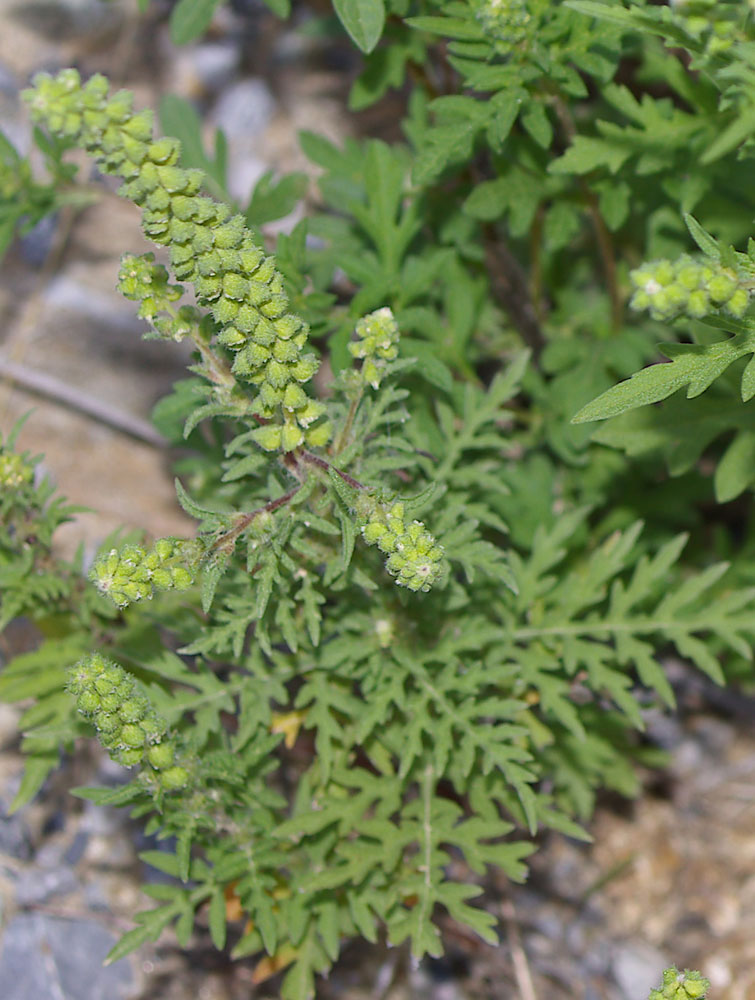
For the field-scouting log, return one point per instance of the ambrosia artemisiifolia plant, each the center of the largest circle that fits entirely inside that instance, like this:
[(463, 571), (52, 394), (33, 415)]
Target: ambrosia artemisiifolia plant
[(422, 615)]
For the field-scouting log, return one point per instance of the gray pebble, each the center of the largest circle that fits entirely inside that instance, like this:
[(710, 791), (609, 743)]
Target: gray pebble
[(14, 836), (67, 293), (101, 821), (76, 848), (244, 110), (637, 968), (59, 959), (37, 243), (39, 885), (8, 84), (205, 68), (63, 19)]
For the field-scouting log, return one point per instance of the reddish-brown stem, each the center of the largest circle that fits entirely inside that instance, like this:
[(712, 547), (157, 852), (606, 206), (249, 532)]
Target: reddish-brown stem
[(245, 520), (310, 459)]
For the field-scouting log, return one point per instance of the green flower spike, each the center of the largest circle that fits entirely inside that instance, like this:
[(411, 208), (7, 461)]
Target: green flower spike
[(687, 287), (504, 21), (377, 344), (14, 472), (681, 986), (134, 573), (127, 725), (209, 247), (141, 280), (414, 557)]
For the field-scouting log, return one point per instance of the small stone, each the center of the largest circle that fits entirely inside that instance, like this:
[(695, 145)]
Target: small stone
[(205, 68), (44, 956), (244, 109), (40, 885), (15, 839), (636, 968)]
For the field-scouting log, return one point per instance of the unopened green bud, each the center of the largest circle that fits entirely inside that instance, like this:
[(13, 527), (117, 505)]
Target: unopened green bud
[(88, 702), (130, 757), (102, 685), (268, 437), (721, 288), (110, 702), (132, 735), (698, 304), (174, 778), (738, 303), (292, 437), (373, 531), (133, 709), (161, 756), (318, 437), (664, 272), (165, 548), (181, 578), (162, 579), (106, 722)]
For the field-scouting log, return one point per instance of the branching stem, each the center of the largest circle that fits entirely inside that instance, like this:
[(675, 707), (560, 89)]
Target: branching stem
[(246, 519), (321, 463)]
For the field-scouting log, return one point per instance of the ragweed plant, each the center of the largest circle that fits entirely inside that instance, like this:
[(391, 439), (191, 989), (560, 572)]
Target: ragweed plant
[(423, 613)]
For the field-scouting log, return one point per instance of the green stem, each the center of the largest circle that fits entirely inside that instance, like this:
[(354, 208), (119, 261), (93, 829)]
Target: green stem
[(342, 437), (218, 371)]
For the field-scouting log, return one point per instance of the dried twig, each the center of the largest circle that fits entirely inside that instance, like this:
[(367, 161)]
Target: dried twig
[(518, 956), (60, 392)]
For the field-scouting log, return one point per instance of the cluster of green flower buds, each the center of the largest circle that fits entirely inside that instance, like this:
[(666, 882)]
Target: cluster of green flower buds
[(687, 287), (377, 344), (209, 247), (127, 725), (141, 280), (134, 573), (716, 23), (681, 986), (506, 22), (14, 471), (414, 557)]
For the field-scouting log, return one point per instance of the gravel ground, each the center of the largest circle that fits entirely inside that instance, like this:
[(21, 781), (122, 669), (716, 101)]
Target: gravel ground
[(668, 879)]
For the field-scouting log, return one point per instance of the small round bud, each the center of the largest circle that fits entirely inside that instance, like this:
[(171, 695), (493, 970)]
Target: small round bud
[(698, 304), (88, 702), (109, 702), (174, 777), (107, 723), (268, 437), (181, 578), (162, 579), (373, 532), (738, 303), (318, 437), (721, 288), (664, 272), (161, 756), (292, 437), (133, 710), (102, 685), (132, 735)]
